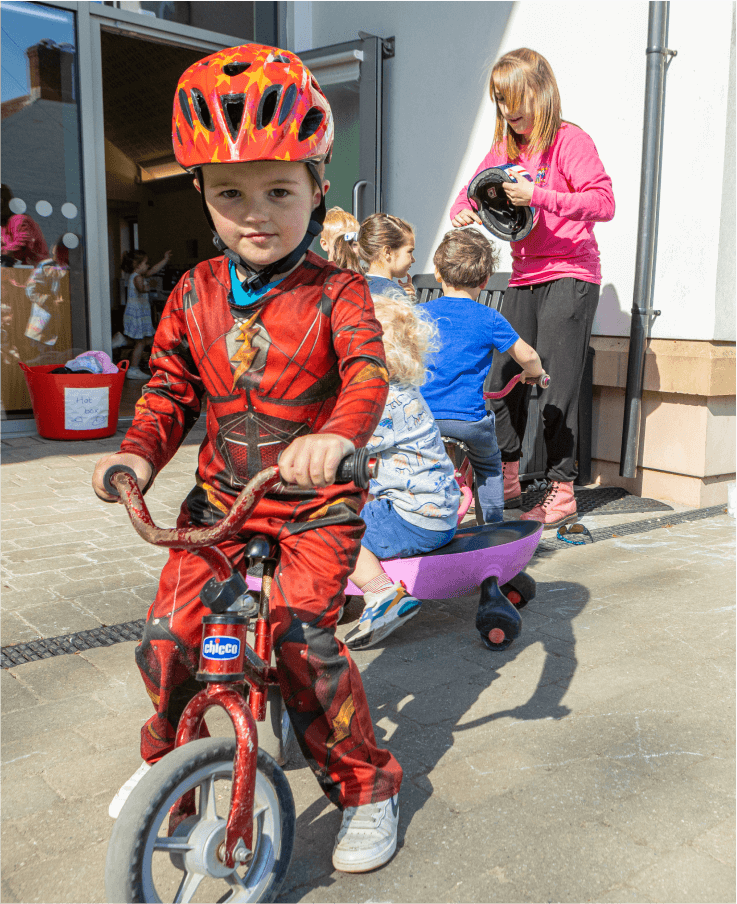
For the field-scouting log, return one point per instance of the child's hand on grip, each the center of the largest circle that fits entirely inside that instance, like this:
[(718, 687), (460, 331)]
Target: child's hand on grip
[(142, 468), (311, 461)]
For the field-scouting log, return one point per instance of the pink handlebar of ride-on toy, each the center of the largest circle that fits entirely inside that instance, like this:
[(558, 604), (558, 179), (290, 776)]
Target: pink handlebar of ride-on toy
[(543, 381)]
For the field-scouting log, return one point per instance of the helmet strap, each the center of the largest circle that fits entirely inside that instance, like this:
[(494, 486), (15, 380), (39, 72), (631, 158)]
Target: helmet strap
[(257, 279)]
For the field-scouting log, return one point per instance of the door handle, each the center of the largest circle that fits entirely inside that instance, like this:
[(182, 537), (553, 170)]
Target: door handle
[(356, 188)]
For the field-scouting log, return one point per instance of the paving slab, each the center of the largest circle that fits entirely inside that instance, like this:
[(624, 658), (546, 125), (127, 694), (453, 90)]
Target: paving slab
[(591, 761)]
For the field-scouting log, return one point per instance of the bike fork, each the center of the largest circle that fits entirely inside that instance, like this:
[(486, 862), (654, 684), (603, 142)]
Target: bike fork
[(226, 660), (238, 842)]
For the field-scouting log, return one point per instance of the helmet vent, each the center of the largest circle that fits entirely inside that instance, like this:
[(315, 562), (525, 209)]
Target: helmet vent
[(290, 95), (233, 107), (280, 59), (179, 136), (202, 110), (233, 69), (184, 104), (310, 124), (268, 105)]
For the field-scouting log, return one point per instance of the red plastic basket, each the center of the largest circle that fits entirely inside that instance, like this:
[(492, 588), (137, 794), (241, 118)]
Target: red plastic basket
[(74, 406)]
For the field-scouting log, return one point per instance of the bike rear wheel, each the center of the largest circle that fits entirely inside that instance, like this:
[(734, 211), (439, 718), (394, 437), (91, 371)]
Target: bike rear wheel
[(145, 865)]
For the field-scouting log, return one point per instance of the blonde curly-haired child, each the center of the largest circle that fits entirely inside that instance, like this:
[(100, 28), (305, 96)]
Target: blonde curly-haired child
[(415, 497)]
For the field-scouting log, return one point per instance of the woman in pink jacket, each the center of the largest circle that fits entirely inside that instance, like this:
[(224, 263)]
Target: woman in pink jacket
[(554, 288)]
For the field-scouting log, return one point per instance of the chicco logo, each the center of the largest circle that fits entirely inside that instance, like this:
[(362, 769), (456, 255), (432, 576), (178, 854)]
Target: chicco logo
[(221, 648)]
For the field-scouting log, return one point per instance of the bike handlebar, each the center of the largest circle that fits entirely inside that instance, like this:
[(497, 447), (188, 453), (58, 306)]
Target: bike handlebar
[(543, 381), (120, 480)]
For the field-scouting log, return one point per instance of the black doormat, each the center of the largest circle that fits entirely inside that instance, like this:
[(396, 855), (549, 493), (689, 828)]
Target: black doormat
[(599, 501)]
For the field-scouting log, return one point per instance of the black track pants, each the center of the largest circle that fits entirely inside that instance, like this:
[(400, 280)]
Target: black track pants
[(555, 318)]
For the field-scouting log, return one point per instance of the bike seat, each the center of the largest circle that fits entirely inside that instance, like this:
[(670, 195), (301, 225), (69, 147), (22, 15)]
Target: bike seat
[(259, 547)]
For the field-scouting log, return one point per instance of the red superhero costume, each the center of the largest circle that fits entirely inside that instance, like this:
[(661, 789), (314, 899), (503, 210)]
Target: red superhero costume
[(306, 358)]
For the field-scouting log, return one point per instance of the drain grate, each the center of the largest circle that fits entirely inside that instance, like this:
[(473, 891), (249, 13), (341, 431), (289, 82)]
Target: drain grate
[(636, 527), (106, 636), (44, 648)]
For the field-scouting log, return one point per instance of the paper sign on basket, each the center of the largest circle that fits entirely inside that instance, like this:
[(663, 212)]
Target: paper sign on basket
[(86, 408)]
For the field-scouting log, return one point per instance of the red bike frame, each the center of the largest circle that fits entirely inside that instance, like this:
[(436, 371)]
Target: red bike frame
[(225, 675)]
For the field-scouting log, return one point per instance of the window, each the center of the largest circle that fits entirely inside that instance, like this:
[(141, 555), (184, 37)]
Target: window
[(43, 241)]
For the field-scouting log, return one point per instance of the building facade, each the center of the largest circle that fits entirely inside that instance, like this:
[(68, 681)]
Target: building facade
[(409, 83)]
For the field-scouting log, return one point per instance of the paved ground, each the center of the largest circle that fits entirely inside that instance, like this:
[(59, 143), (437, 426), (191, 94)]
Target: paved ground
[(592, 761)]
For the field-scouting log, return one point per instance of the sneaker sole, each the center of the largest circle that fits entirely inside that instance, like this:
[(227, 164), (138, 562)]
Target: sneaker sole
[(514, 502), (554, 525), (568, 519), (365, 866), (379, 633)]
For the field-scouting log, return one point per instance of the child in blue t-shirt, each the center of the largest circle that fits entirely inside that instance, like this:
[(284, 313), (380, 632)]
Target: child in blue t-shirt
[(469, 333)]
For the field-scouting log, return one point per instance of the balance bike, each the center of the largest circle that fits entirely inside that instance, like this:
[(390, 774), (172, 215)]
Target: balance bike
[(214, 820)]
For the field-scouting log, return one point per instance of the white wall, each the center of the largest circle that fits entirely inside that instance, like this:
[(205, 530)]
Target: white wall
[(439, 123)]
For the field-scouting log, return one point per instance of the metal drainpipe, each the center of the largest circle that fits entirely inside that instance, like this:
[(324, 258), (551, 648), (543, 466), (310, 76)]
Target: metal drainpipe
[(658, 57)]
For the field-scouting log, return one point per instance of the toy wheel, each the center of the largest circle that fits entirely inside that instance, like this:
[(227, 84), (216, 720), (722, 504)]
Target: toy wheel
[(145, 865), (520, 590), (276, 735), (497, 620), (497, 639)]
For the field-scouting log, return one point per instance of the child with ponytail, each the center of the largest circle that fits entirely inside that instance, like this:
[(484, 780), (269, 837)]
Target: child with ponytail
[(339, 238), (386, 243)]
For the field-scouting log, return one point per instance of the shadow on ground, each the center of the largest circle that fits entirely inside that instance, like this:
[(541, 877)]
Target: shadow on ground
[(438, 695)]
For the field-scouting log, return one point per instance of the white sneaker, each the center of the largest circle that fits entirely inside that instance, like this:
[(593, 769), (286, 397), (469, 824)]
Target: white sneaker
[(119, 340), (384, 613), (367, 837), (116, 804), (135, 373)]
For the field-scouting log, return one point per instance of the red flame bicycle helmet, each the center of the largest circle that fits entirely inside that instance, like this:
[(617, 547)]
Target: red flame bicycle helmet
[(249, 103)]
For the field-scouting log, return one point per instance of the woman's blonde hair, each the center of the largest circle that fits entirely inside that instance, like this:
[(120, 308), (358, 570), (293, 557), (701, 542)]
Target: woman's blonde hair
[(409, 337), (517, 74), (382, 230)]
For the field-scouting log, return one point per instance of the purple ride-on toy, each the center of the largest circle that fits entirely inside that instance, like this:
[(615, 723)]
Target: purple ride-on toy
[(489, 556)]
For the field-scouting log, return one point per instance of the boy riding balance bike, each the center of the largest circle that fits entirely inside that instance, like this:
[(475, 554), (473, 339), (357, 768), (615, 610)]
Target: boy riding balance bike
[(285, 351)]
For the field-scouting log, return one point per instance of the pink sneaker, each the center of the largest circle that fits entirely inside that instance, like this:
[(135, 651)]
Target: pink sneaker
[(557, 508), (512, 489)]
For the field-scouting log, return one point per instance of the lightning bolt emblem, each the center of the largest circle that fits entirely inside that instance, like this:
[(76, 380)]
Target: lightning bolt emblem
[(243, 358)]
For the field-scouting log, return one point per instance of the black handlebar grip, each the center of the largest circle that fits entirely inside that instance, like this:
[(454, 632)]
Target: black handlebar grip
[(111, 472), (354, 468)]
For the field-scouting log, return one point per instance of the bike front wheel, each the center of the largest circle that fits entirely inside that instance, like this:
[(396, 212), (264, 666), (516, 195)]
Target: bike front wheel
[(144, 864)]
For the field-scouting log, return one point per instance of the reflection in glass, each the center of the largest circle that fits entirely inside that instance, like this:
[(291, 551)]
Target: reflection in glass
[(43, 289)]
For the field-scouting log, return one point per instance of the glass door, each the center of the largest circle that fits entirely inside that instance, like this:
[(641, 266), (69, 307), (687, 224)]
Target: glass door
[(351, 75)]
